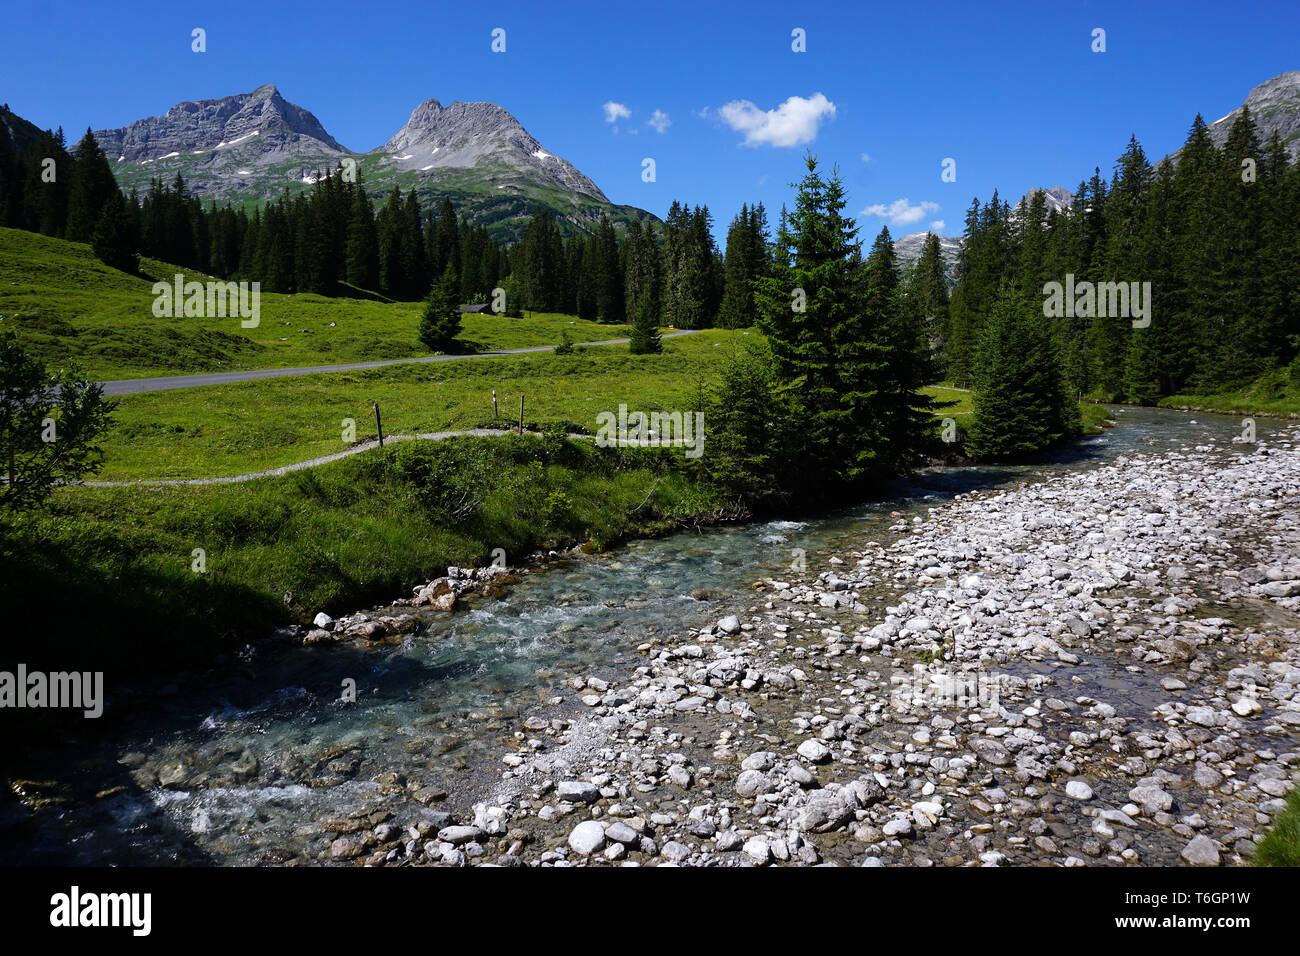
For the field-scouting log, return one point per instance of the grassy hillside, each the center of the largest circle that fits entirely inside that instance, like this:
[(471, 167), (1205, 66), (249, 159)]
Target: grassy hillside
[(67, 305), (1274, 393), (113, 567), (251, 426), (490, 194), (344, 534)]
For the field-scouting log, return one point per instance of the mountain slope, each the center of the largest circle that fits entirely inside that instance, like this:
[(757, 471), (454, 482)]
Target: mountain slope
[(461, 135), (250, 148), (236, 148), (1058, 198), (493, 170), (21, 135), (908, 249), (1274, 105)]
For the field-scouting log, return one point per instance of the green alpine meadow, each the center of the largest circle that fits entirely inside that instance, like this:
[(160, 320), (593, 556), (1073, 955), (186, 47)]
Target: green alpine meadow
[(649, 437)]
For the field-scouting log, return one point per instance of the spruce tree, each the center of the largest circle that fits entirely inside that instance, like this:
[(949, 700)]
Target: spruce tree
[(641, 273), (446, 240), (927, 305), (739, 271), (1120, 255), (440, 321), (964, 304), (1022, 403), (830, 352), (608, 275), (416, 282), (745, 419), (1197, 260), (906, 424), (644, 331), (1250, 341), (1156, 352), (362, 241), (589, 280), (543, 262), (114, 239), (92, 184), (45, 191)]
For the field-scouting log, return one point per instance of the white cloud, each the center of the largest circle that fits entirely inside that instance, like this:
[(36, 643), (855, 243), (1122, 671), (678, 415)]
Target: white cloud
[(900, 212), (615, 112), (794, 122), (938, 225), (866, 157), (659, 120)]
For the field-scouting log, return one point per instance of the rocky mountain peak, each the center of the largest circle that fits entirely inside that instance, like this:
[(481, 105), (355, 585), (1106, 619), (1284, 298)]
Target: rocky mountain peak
[(435, 124), (202, 125), (1057, 197), (909, 248), (439, 138), (1274, 105)]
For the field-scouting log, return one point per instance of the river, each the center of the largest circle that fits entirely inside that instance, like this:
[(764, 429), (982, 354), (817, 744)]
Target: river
[(263, 762)]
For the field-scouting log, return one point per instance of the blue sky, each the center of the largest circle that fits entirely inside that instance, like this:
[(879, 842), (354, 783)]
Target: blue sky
[(1011, 91)]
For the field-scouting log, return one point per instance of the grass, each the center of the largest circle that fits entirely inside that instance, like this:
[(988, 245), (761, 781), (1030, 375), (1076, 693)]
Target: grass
[(1281, 847), (251, 426), (962, 409), (1095, 417), (67, 305), (956, 403), (114, 566), (1274, 393)]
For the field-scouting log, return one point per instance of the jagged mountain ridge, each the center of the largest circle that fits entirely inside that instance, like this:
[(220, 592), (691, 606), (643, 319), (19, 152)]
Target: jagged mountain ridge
[(459, 135), (207, 125), (909, 248), (249, 148), (1057, 198), (1274, 105)]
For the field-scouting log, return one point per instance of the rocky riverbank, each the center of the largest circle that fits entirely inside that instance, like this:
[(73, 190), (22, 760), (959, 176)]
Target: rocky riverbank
[(1100, 669), (1097, 666)]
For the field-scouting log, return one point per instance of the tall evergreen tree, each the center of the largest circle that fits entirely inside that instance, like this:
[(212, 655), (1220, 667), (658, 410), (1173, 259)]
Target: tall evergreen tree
[(644, 332), (927, 305), (829, 350), (743, 264), (641, 273), (362, 240), (608, 276), (92, 184), (1122, 259), (440, 320), (966, 304), (906, 424), (1022, 403), (543, 275), (114, 240)]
